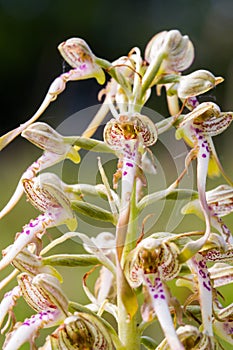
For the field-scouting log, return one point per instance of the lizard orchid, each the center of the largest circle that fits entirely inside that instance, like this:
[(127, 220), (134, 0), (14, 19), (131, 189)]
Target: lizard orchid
[(135, 269), (43, 293), (151, 264), (220, 203), (46, 195), (56, 149), (80, 331), (197, 128), (190, 337)]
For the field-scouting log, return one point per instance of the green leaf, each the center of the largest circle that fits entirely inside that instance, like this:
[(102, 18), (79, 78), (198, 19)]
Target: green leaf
[(71, 260), (148, 342), (93, 211), (171, 194)]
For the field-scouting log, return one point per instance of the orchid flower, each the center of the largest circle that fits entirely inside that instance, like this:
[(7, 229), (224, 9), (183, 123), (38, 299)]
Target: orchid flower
[(46, 195), (80, 57), (220, 203), (25, 261), (80, 331), (198, 267), (203, 283), (221, 275), (55, 150), (197, 128), (43, 294), (128, 135), (152, 263), (190, 337)]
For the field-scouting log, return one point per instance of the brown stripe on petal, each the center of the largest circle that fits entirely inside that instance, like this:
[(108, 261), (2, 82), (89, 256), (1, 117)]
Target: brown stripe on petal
[(214, 125), (39, 197), (35, 297)]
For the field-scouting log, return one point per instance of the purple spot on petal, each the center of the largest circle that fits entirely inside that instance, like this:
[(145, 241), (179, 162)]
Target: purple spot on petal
[(202, 274), (203, 155), (156, 296), (207, 287), (125, 173), (202, 264), (162, 296), (28, 232), (129, 164)]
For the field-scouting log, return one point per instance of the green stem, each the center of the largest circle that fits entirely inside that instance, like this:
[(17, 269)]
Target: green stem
[(151, 73), (127, 326), (127, 329), (131, 236)]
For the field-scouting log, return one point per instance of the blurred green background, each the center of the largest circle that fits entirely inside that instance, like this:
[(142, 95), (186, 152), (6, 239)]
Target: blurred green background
[(30, 32)]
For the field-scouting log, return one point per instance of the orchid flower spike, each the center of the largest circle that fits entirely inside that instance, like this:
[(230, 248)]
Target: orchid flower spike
[(47, 196), (79, 56)]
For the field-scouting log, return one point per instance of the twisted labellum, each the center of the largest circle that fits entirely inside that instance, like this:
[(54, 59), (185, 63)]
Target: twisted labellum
[(151, 263), (198, 127), (48, 198), (198, 267)]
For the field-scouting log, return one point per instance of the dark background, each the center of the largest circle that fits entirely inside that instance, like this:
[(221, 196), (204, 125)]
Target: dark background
[(31, 30)]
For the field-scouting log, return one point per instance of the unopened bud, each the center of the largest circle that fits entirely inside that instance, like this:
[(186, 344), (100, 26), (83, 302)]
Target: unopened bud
[(26, 261), (43, 292), (45, 137), (46, 194), (196, 83), (177, 48)]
